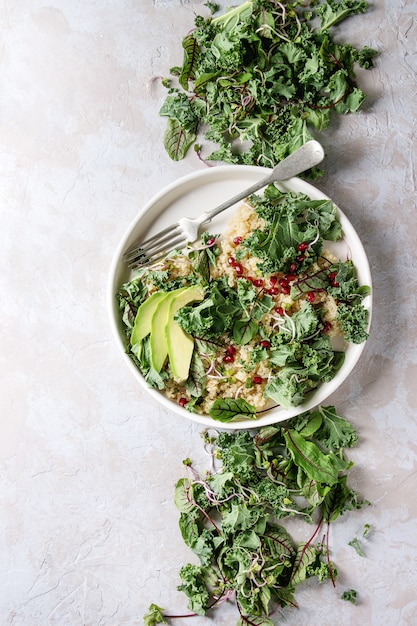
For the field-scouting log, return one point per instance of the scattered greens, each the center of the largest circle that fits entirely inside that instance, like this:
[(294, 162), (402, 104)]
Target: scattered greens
[(259, 79), (235, 518), (350, 596), (356, 543)]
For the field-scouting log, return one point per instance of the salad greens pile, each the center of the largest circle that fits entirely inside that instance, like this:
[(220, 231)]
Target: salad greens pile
[(235, 518), (296, 346), (260, 78)]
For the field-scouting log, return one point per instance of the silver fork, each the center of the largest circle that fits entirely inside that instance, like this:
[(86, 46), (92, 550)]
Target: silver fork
[(187, 230)]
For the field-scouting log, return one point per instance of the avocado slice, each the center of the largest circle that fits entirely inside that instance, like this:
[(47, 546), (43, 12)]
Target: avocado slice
[(142, 325), (155, 317), (179, 344), (157, 342)]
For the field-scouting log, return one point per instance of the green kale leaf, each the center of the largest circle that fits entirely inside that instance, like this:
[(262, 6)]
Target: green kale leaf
[(334, 11), (154, 616), (353, 320)]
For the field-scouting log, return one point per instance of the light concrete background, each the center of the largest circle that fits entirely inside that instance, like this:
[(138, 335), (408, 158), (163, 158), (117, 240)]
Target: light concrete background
[(88, 528)]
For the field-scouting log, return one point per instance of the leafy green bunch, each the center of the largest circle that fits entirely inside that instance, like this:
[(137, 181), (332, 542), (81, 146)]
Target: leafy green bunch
[(233, 518), (260, 78)]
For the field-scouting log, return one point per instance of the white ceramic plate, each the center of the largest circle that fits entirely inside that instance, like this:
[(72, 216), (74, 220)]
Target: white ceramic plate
[(190, 196)]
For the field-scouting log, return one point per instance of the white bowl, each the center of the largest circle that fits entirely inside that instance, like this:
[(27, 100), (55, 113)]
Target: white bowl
[(190, 196)]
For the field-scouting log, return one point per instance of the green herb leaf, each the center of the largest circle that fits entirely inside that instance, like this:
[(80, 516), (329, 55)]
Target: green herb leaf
[(350, 596), (332, 12), (244, 331), (191, 54), (177, 139), (228, 409), (194, 586), (353, 320), (305, 557), (318, 466), (183, 498), (335, 431), (354, 543), (154, 616)]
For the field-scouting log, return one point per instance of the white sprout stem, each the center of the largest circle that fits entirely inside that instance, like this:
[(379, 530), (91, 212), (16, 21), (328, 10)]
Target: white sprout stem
[(205, 246), (238, 391), (316, 238), (290, 321)]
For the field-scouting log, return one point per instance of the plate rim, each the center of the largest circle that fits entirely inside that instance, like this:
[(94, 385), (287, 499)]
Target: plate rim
[(179, 184)]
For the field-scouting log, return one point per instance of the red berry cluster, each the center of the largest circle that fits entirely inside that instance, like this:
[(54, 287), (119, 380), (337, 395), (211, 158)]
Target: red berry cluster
[(332, 279), (229, 357)]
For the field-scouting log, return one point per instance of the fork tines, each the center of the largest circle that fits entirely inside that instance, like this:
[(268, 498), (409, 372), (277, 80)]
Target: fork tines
[(155, 248)]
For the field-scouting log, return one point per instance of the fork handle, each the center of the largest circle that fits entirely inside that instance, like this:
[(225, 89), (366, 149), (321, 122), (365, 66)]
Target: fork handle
[(307, 156)]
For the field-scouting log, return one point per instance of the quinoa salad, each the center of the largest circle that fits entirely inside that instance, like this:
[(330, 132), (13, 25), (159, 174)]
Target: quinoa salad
[(272, 313)]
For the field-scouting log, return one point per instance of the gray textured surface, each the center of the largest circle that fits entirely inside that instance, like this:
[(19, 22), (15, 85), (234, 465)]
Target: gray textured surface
[(88, 529)]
